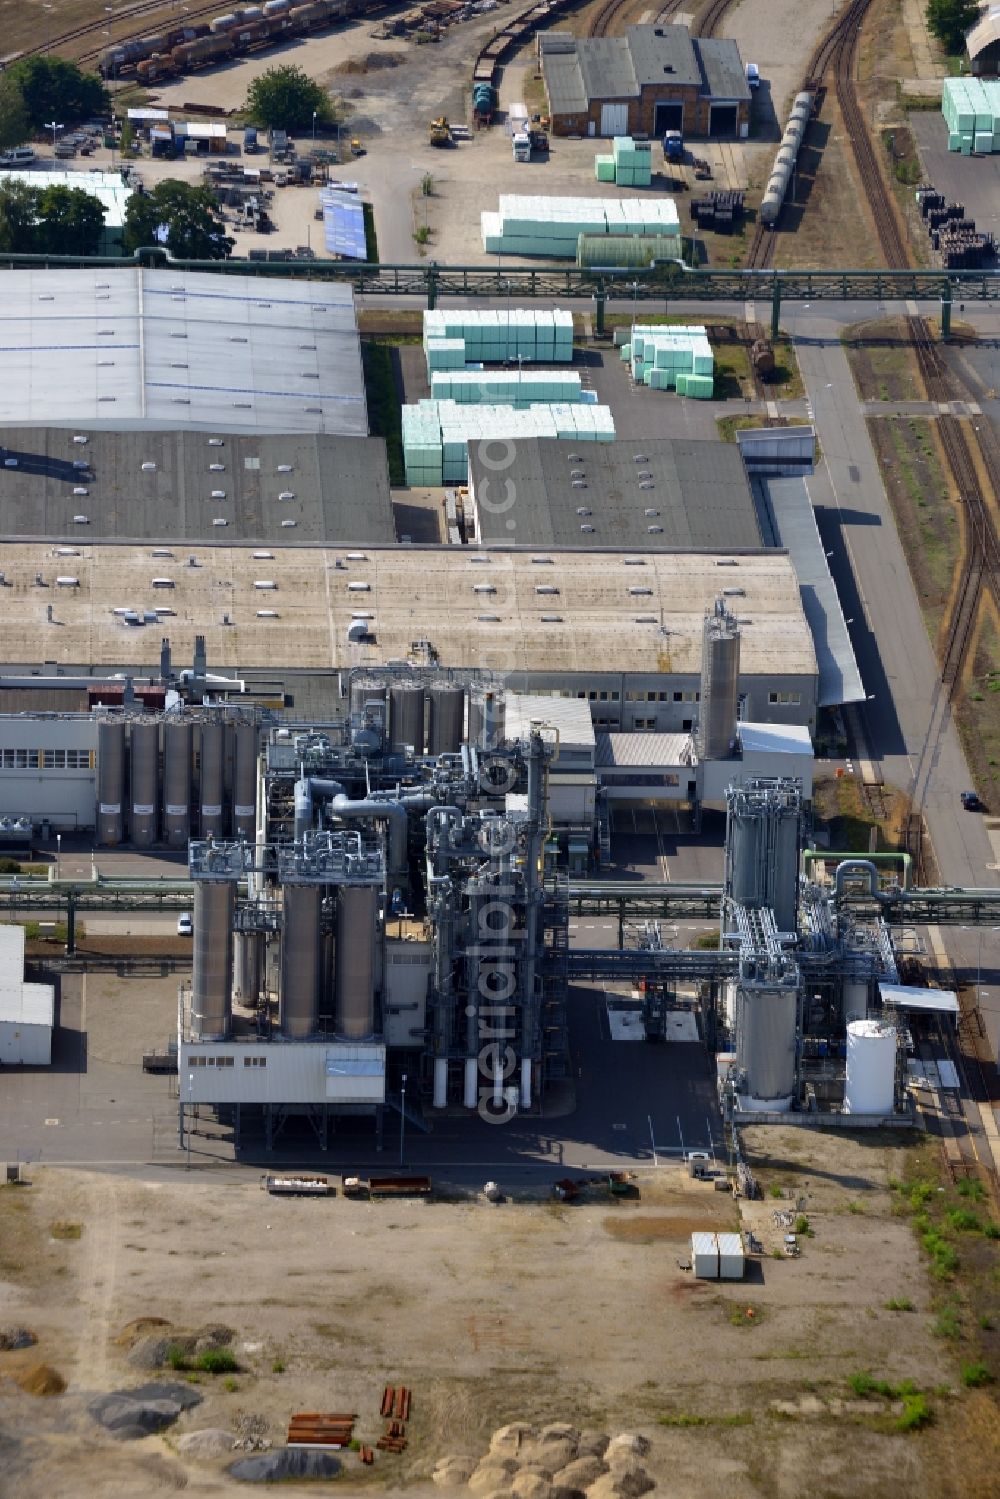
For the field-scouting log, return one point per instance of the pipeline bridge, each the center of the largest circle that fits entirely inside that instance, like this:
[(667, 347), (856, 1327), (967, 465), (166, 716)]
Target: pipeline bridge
[(662, 281), (28, 896)]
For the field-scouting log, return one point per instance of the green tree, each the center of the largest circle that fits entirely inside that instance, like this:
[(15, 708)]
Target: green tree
[(18, 213), (69, 222), (14, 127), (949, 20), (285, 97), (188, 215), (54, 89)]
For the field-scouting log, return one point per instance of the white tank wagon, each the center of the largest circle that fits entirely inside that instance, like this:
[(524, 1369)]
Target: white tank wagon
[(784, 162)]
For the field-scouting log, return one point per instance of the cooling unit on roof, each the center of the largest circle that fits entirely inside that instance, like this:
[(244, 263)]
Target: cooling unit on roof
[(263, 556)]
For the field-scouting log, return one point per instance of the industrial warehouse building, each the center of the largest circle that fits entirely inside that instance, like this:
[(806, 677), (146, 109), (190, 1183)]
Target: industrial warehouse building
[(659, 492), (652, 79), (183, 486), (147, 350)]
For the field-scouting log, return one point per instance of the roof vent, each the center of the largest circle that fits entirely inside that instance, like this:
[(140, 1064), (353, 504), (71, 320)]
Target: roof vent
[(587, 529), (635, 562), (263, 556), (483, 588), (539, 560), (218, 494), (80, 490), (359, 588), (577, 473), (646, 484), (639, 458), (551, 619), (287, 494), (79, 437), (314, 410), (655, 530), (583, 510), (652, 512), (220, 520), (726, 562), (546, 588), (242, 405), (267, 614), (357, 557), (734, 593), (645, 619), (479, 557), (235, 338), (177, 364), (668, 67), (81, 520), (215, 442), (578, 483), (217, 468), (180, 401), (178, 335), (640, 590), (489, 619), (289, 522), (574, 457), (284, 468)]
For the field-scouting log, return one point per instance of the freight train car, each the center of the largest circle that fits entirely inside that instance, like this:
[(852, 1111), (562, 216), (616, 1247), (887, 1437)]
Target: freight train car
[(230, 34)]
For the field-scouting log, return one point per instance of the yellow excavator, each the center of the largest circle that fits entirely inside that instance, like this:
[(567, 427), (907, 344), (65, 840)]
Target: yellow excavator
[(440, 131)]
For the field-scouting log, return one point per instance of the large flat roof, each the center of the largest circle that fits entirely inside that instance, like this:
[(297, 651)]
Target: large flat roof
[(173, 486), (662, 58), (144, 349), (696, 493), (477, 608)]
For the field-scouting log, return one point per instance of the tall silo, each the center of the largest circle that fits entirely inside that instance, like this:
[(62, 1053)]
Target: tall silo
[(144, 762), (213, 745), (176, 782), (406, 716), (445, 719), (744, 849), (871, 1068), (212, 977), (720, 684), (245, 781), (486, 716), (301, 960), (357, 911), (784, 860), (110, 781), (765, 1043), (368, 692)]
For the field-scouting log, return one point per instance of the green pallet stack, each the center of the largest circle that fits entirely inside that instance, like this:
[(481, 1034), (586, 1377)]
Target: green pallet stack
[(604, 168), (633, 162), (971, 108), (518, 388), (672, 357), (525, 334), (551, 227), (436, 434)]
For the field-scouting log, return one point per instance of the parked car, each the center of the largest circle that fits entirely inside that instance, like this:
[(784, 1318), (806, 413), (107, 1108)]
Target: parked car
[(971, 802), (185, 926), (753, 75)]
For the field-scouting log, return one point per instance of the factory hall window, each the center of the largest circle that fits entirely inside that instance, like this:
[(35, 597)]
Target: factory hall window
[(255, 1061), (685, 697), (784, 697)]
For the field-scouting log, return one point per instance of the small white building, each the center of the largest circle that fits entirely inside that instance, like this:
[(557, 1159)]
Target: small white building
[(27, 1011)]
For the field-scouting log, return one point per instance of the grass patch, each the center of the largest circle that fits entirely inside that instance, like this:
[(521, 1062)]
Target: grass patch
[(916, 1413), (278, 1367), (963, 1221), (971, 1189), (687, 1418), (899, 1304), (739, 1314), (216, 1361), (976, 1374), (948, 1323), (707, 942), (231, 1385), (61, 1229), (802, 1228), (384, 413)]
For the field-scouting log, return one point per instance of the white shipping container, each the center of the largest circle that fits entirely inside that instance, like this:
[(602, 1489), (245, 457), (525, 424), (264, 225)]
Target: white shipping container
[(705, 1256), (732, 1260)]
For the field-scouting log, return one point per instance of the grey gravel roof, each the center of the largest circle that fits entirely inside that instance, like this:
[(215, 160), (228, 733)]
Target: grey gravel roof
[(698, 489), (663, 54), (339, 487), (722, 69), (619, 67)]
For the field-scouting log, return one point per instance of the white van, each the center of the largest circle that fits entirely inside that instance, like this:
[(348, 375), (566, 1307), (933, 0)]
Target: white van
[(20, 156)]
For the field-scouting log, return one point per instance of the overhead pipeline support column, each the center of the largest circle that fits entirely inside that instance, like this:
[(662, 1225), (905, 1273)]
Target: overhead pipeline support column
[(776, 308), (946, 305)]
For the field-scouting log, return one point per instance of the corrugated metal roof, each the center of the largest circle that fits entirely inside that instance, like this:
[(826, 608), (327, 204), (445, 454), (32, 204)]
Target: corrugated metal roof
[(696, 492), (615, 750), (150, 349), (11, 953), (570, 715), (659, 58), (564, 83), (786, 512), (26, 1004), (607, 66), (663, 55), (774, 738), (906, 997)]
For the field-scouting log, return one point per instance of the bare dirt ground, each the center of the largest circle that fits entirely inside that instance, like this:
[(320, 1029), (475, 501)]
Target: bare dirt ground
[(531, 1310)]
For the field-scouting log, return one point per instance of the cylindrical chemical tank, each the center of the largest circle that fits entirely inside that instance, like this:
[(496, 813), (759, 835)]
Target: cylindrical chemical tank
[(365, 691), (871, 1067), (110, 780), (301, 960), (176, 783), (212, 977), (765, 1044), (855, 999), (744, 835), (720, 682), (145, 767), (446, 720), (357, 907), (245, 781), (486, 715), (785, 868), (212, 759), (249, 968), (406, 716)]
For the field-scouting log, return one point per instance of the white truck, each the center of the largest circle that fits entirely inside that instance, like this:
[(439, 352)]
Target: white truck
[(522, 146)]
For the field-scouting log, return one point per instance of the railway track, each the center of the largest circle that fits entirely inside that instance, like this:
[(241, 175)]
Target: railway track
[(708, 21), (127, 13)]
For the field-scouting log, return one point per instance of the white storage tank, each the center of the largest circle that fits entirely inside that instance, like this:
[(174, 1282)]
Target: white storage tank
[(705, 1256), (732, 1261), (871, 1067)]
